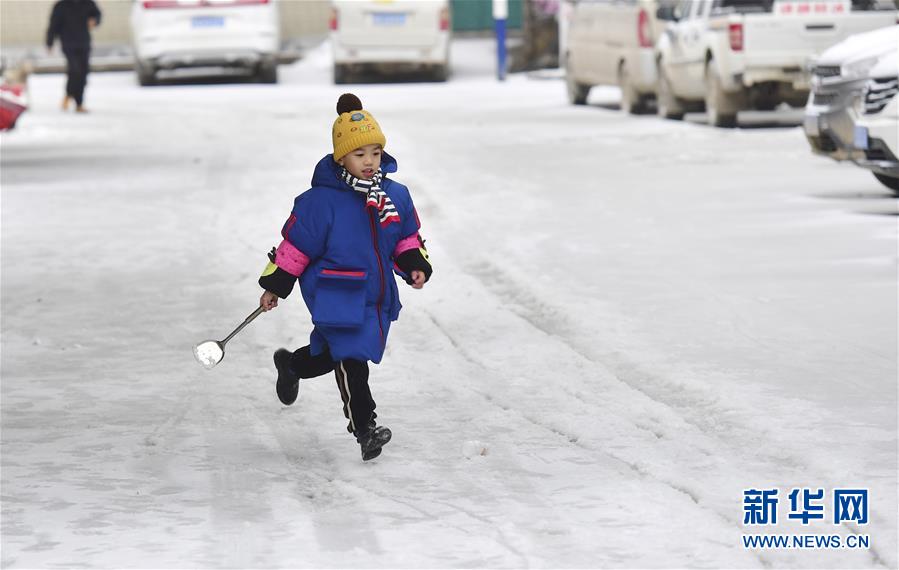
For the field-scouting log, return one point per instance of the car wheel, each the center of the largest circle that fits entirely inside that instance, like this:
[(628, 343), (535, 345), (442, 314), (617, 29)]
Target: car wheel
[(341, 74), (767, 104), (146, 75), (267, 72), (632, 102), (891, 182), (720, 106), (667, 105), (440, 72), (577, 92)]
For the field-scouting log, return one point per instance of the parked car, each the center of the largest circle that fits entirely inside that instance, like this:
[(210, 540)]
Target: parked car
[(877, 128), (612, 42), (390, 35), (839, 78), (214, 34), (733, 55)]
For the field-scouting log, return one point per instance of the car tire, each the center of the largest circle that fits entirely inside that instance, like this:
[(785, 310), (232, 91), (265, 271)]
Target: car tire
[(632, 102), (577, 92), (440, 73), (341, 74), (267, 72), (720, 107), (146, 75), (667, 104), (767, 104), (891, 182)]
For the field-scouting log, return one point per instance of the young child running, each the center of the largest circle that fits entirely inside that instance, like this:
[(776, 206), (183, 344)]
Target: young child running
[(342, 240)]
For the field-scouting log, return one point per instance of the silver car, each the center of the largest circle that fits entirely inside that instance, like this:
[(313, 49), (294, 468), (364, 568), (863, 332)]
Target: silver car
[(877, 129), (839, 78)]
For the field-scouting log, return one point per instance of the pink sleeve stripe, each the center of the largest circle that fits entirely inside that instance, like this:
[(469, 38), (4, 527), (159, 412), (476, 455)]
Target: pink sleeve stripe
[(405, 244), (290, 259)]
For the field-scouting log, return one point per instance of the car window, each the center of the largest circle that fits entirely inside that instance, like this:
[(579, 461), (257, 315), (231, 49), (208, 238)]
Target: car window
[(682, 11), (744, 6), (868, 5), (699, 7)]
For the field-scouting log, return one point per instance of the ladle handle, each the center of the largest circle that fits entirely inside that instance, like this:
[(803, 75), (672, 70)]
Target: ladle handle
[(246, 321)]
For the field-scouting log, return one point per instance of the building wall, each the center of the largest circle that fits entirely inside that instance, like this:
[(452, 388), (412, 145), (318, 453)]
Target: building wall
[(477, 15), (304, 18), (23, 23)]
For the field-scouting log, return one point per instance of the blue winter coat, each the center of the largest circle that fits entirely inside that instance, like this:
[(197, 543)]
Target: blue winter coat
[(348, 285)]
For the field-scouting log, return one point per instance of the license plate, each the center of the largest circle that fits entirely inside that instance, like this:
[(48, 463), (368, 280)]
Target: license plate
[(811, 126), (207, 22), (860, 140), (389, 19)]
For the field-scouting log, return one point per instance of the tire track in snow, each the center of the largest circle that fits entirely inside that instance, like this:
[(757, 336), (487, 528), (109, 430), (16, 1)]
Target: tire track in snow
[(695, 441), (554, 322), (584, 451), (573, 439), (521, 301)]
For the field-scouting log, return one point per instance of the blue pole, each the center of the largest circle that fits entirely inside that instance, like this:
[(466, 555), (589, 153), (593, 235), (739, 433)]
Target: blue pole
[(500, 13), (501, 48)]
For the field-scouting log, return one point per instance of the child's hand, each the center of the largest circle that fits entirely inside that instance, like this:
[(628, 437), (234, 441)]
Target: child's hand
[(268, 301), (418, 279)]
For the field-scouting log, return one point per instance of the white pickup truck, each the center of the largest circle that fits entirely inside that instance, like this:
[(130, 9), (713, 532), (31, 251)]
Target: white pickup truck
[(733, 55)]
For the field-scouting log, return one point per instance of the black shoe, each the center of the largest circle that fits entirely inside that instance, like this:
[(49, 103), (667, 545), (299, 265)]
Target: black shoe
[(372, 441), (288, 385)]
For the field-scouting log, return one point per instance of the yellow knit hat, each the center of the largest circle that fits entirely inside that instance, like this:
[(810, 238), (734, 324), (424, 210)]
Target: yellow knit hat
[(355, 127)]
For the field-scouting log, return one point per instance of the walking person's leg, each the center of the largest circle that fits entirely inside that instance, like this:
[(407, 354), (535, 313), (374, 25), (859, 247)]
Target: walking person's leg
[(82, 57), (359, 407), (295, 365), (71, 67)]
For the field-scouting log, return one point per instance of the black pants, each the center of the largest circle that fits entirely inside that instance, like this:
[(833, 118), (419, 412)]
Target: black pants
[(352, 380), (77, 65)]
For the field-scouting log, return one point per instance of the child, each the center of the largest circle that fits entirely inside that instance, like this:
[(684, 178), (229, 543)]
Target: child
[(342, 240)]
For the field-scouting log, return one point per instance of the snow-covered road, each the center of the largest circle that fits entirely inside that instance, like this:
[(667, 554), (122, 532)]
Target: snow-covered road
[(635, 320)]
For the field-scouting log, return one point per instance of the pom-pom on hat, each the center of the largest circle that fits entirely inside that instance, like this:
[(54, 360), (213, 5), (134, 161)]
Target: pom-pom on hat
[(355, 127)]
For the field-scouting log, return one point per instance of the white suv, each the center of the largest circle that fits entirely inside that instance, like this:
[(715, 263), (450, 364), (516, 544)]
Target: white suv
[(612, 42), (877, 128), (172, 34), (839, 78), (396, 34)]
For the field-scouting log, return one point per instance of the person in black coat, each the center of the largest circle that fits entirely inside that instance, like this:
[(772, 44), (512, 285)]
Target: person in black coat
[(71, 21)]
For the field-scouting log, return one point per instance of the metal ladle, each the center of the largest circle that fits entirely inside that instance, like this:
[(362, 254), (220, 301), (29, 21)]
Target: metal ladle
[(211, 352)]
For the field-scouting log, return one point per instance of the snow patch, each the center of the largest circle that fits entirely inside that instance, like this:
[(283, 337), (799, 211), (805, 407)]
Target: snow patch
[(474, 448)]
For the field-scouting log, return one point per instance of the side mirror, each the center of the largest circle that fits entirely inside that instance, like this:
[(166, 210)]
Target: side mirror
[(667, 13)]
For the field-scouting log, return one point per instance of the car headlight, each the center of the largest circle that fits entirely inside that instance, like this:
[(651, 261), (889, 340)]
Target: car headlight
[(859, 69)]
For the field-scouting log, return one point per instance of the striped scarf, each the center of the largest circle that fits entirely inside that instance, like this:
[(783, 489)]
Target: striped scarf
[(375, 197)]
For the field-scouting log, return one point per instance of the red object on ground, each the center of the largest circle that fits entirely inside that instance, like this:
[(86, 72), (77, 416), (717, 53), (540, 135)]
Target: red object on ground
[(13, 102)]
